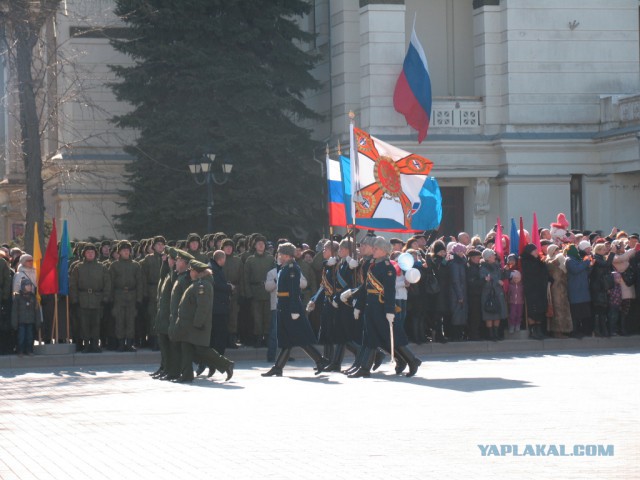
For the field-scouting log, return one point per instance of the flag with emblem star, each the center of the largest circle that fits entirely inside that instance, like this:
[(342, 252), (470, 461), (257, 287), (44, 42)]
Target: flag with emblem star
[(390, 188)]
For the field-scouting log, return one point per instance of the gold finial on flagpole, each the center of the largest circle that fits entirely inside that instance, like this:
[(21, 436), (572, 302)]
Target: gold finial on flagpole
[(339, 148), (352, 115)]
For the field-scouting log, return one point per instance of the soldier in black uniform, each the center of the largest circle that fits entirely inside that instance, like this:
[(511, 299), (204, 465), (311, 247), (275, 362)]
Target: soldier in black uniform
[(377, 300), (325, 295), (294, 329)]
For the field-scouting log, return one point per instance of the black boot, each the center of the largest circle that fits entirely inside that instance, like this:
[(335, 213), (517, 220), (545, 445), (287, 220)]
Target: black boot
[(364, 370), (536, 333), (200, 369), (155, 346), (327, 351), (121, 344), (401, 362), (604, 331), (493, 334), (129, 346), (321, 362), (356, 362), (413, 361), (281, 361), (95, 348), (232, 341), (379, 358), (576, 332), (338, 356)]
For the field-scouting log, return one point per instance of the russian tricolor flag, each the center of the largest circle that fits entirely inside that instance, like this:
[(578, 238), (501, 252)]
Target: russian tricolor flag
[(412, 96), (337, 211)]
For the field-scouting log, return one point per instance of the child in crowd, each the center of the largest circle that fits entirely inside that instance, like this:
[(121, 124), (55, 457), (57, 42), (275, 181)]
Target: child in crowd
[(615, 302), (25, 316), (516, 301)]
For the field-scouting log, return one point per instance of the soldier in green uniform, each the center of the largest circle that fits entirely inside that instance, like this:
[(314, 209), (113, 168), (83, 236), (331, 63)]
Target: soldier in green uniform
[(193, 325), (194, 246), (89, 288), (233, 270), (161, 326), (255, 274), (151, 265), (105, 251), (126, 281), (181, 282)]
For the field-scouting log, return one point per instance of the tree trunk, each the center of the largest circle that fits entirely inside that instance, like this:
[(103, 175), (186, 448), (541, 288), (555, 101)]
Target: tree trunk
[(30, 129)]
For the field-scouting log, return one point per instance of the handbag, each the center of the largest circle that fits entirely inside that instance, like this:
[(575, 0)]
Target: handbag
[(491, 303), (629, 276), (431, 283)]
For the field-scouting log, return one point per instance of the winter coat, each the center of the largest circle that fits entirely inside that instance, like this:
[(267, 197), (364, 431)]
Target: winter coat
[(221, 290), (254, 275), (495, 273), (561, 320), (194, 321), (292, 332), (25, 310), (439, 302), (180, 284), (578, 280), (535, 278), (164, 304), (23, 272), (459, 310), (621, 262), (601, 280)]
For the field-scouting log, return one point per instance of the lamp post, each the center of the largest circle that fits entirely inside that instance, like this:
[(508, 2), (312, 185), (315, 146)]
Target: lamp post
[(202, 172)]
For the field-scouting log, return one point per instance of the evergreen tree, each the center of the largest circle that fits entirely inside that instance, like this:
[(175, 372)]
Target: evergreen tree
[(224, 77)]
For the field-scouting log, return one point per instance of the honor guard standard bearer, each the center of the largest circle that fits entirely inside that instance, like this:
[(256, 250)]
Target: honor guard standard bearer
[(348, 330), (180, 285), (377, 301), (193, 325), (366, 252), (294, 329), (90, 289), (151, 265), (126, 281), (161, 325), (325, 295)]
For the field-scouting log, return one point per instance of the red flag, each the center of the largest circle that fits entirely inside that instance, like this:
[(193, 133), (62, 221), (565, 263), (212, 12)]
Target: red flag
[(523, 238), (498, 247), (535, 235), (49, 269)]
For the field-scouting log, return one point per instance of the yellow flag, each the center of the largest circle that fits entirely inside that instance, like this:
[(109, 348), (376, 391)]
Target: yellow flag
[(37, 258)]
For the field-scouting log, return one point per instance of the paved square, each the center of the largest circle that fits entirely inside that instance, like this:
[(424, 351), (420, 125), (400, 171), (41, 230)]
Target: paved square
[(116, 422)]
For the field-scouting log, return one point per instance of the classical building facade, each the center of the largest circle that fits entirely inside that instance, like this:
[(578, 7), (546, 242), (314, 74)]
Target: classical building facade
[(536, 102), (536, 108)]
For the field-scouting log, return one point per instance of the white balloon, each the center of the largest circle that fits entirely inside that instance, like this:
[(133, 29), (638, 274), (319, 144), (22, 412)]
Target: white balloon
[(412, 275), (406, 261)]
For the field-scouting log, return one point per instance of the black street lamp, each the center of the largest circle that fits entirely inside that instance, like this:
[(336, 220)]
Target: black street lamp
[(203, 174)]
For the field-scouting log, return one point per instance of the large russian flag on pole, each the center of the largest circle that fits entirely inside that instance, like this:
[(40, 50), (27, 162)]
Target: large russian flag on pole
[(337, 211), (412, 96)]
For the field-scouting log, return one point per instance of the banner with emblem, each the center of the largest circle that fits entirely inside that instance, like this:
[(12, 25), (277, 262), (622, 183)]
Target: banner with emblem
[(389, 189)]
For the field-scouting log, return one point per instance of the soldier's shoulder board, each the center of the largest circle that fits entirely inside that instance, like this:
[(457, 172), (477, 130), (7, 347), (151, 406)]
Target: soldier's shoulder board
[(201, 288)]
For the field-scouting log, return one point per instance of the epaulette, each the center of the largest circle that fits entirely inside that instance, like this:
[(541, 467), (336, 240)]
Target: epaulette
[(200, 288)]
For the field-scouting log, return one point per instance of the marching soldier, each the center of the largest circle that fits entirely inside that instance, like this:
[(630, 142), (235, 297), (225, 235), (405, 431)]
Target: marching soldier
[(193, 325), (89, 288), (161, 326), (255, 274), (325, 295), (294, 329), (126, 281), (151, 265), (181, 282), (233, 272), (377, 300)]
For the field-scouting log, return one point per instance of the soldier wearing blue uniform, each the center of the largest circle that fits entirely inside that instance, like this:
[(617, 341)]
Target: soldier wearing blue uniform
[(377, 300), (294, 329), (325, 295)]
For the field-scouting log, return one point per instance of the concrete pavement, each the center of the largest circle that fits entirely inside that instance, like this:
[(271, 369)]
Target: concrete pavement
[(116, 422)]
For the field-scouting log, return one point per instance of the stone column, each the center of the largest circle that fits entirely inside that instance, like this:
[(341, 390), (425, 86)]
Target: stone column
[(382, 50)]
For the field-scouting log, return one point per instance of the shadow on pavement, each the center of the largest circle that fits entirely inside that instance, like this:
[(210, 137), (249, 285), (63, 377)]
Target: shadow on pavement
[(474, 384)]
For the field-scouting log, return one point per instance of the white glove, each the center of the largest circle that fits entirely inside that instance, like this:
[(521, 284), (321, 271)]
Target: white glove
[(353, 263), (335, 305), (356, 313), (391, 317), (311, 306), (295, 316), (346, 295), (332, 261)]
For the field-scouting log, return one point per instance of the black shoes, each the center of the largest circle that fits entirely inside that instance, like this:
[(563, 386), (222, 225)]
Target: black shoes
[(274, 372), (228, 371), (200, 369), (379, 358)]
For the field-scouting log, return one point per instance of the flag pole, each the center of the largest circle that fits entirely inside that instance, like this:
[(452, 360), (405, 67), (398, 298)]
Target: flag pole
[(68, 336), (55, 315)]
